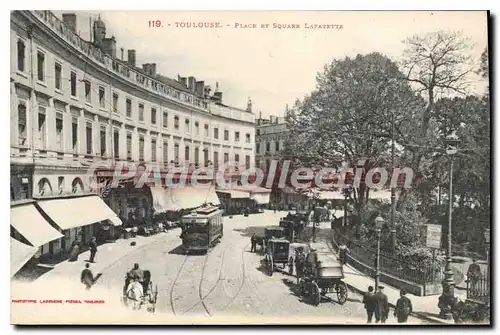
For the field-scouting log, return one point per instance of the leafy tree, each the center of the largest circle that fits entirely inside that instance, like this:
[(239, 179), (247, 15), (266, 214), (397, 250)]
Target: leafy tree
[(349, 115)]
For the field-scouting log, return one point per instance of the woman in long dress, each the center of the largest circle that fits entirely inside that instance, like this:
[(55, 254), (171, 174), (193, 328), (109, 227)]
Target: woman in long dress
[(75, 250)]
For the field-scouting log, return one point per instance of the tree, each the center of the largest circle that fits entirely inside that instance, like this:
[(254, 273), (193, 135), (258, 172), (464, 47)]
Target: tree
[(484, 65), (349, 115), (439, 62)]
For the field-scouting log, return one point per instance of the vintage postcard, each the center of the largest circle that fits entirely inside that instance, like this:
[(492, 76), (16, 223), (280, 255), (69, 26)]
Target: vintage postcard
[(225, 167)]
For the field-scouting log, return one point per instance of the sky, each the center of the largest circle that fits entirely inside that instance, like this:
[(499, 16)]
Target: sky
[(272, 66)]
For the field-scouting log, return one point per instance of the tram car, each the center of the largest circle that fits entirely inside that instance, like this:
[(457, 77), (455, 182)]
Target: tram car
[(202, 229)]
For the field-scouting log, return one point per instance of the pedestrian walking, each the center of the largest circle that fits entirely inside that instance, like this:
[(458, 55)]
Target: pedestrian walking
[(75, 250), (300, 263), (381, 305), (369, 302), (253, 241), (87, 277), (93, 249), (403, 307), (343, 251)]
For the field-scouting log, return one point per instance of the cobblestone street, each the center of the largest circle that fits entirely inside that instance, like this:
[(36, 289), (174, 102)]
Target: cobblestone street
[(228, 281)]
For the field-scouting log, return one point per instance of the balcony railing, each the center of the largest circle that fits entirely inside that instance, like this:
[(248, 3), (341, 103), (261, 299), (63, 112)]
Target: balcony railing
[(130, 74)]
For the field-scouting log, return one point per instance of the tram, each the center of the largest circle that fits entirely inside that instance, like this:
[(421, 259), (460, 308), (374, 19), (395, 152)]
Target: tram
[(202, 229)]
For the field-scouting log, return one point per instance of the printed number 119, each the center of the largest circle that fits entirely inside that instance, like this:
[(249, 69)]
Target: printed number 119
[(155, 23)]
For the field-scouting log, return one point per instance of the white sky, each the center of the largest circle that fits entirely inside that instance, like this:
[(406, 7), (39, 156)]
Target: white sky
[(273, 67)]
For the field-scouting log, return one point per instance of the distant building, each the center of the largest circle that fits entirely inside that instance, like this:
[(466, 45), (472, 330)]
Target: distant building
[(270, 137), (76, 102)]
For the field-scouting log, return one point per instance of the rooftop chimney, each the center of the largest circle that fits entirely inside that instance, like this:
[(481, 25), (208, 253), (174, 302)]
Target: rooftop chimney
[(121, 53), (191, 83), (184, 81), (200, 88), (152, 69), (69, 20), (249, 105), (218, 97), (131, 57), (109, 46)]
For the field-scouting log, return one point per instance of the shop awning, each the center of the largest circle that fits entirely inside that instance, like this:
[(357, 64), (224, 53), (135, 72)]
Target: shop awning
[(20, 253), (78, 212), (234, 194), (260, 198), (192, 197), (162, 200), (28, 221), (252, 189)]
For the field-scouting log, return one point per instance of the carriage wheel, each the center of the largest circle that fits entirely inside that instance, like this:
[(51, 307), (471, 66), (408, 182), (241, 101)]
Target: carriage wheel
[(315, 296), (290, 266), (341, 289), (271, 265)]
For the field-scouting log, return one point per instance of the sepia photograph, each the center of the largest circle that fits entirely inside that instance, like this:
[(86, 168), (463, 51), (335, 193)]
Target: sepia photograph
[(250, 167)]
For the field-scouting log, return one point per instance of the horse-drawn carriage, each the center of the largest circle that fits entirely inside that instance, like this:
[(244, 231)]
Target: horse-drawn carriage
[(139, 292), (277, 253), (323, 274)]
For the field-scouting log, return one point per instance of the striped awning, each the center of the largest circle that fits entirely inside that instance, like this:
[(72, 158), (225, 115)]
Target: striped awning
[(20, 254), (29, 222), (70, 213)]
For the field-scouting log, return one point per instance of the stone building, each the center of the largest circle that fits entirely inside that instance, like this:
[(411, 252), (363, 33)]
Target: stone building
[(76, 102)]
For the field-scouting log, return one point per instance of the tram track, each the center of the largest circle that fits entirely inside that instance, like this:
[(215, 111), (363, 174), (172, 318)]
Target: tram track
[(243, 278), (176, 280), (202, 296)]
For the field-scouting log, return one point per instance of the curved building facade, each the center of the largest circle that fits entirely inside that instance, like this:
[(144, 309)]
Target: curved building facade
[(74, 102)]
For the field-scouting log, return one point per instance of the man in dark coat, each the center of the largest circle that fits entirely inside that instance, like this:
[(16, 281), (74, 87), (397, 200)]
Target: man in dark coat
[(381, 305), (369, 302), (93, 249), (253, 241), (87, 277), (300, 263), (403, 307)]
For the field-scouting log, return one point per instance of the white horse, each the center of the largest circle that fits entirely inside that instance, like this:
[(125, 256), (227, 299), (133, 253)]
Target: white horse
[(135, 295)]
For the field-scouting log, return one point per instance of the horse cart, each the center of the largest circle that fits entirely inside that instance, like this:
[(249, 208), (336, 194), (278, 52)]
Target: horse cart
[(271, 232), (323, 275), (135, 298), (277, 252)]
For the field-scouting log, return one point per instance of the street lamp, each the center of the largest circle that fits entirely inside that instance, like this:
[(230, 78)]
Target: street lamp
[(487, 239), (379, 222), (448, 295), (393, 190)]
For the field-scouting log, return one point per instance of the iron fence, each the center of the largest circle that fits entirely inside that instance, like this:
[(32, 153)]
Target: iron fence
[(478, 288), (415, 272)]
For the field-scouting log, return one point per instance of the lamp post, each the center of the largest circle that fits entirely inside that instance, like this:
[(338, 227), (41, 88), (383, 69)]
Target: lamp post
[(379, 221), (448, 282), (487, 239), (393, 190)]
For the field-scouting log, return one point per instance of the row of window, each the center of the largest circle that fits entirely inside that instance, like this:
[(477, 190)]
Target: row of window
[(268, 147), (42, 135), (102, 97)]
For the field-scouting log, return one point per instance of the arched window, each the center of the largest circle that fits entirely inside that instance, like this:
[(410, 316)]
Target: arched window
[(44, 187), (77, 185)]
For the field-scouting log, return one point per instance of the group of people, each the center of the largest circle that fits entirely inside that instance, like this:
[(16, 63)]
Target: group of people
[(377, 304), (75, 250)]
